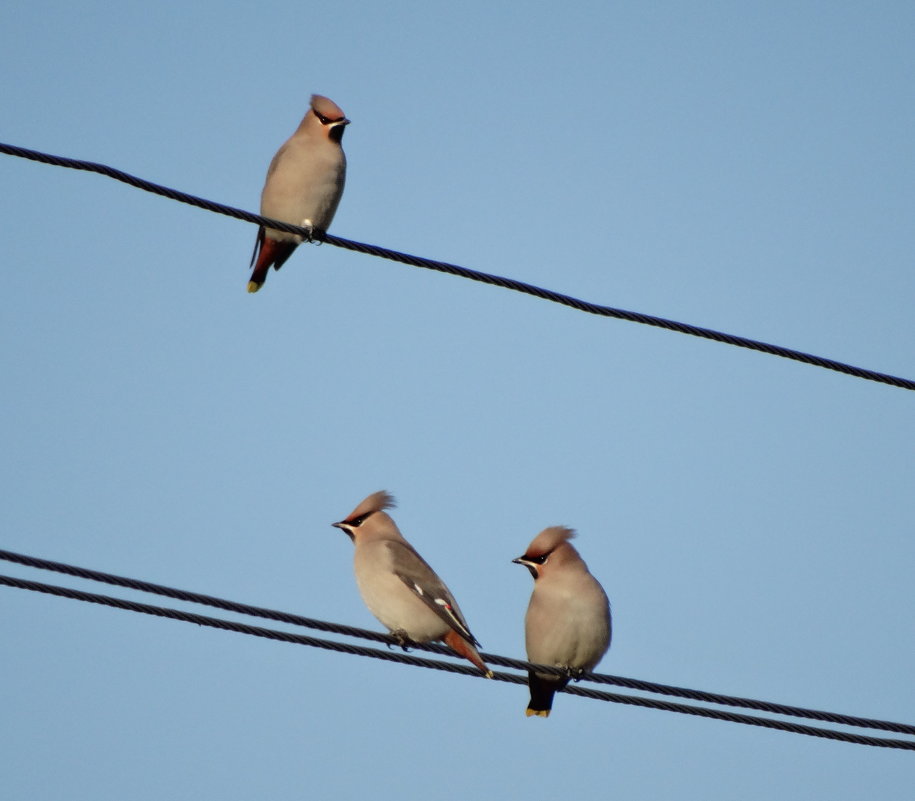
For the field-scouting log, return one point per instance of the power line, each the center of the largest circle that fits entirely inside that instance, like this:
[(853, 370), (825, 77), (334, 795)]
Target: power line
[(434, 664), (495, 659), (464, 272)]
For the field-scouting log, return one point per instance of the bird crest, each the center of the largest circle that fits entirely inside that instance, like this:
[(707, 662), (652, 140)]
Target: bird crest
[(548, 540), (325, 107), (376, 502)]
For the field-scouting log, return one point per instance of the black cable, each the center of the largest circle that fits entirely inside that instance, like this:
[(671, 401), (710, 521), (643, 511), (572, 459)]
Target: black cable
[(197, 598), (495, 659), (463, 272), (393, 656)]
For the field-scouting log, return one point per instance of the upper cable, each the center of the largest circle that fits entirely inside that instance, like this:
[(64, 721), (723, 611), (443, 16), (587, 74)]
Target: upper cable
[(464, 272)]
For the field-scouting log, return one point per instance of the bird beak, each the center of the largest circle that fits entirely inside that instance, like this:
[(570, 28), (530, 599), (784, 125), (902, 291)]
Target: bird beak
[(529, 565), (335, 133), (345, 529)]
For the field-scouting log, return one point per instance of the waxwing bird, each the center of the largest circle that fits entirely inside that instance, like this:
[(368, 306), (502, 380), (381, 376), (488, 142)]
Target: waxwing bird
[(303, 187), (399, 587), (568, 619)]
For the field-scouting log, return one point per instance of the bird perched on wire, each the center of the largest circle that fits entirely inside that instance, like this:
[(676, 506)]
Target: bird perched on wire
[(568, 619), (303, 187), (399, 587)]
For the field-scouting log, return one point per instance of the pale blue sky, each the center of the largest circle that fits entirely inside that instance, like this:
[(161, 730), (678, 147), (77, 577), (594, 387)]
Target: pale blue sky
[(743, 166)]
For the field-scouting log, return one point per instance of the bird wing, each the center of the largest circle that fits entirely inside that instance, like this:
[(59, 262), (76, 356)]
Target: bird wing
[(422, 580)]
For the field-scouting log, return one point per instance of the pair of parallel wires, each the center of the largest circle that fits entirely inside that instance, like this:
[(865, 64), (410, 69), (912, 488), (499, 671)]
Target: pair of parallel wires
[(392, 655)]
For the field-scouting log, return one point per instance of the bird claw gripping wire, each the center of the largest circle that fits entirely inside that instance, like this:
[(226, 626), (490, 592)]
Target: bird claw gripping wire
[(307, 225), (315, 236), (575, 674), (403, 640)]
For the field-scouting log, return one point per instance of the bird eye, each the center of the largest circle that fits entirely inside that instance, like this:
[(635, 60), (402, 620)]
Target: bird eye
[(358, 521), (324, 120)]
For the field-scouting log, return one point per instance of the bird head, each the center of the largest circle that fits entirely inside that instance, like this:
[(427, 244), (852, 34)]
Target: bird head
[(368, 515), (330, 116), (550, 544)]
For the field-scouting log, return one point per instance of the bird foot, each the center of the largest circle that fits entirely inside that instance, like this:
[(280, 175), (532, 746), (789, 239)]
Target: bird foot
[(403, 639), (574, 673), (307, 224)]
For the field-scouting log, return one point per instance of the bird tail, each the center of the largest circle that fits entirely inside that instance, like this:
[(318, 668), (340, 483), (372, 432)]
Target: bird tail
[(463, 648), (542, 691), (267, 253)]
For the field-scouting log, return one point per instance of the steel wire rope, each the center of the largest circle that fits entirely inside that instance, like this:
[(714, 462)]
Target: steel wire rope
[(495, 659), (391, 656), (464, 272)]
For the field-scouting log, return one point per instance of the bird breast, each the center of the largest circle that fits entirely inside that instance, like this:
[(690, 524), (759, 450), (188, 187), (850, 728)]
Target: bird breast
[(568, 625), (390, 600), (305, 184)]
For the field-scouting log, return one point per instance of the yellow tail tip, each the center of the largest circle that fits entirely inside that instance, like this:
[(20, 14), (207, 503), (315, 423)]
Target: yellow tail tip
[(540, 713), (489, 674), (253, 286)]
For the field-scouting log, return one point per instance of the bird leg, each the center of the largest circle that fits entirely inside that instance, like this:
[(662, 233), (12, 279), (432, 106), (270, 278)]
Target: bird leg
[(311, 230), (403, 639), (573, 673)]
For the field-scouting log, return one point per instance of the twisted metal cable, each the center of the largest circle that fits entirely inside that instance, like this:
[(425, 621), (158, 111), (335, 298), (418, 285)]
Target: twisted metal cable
[(393, 656), (198, 598), (495, 659), (464, 272)]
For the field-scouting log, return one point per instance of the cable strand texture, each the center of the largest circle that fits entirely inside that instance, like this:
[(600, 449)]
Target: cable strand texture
[(463, 272), (392, 656), (495, 659)]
